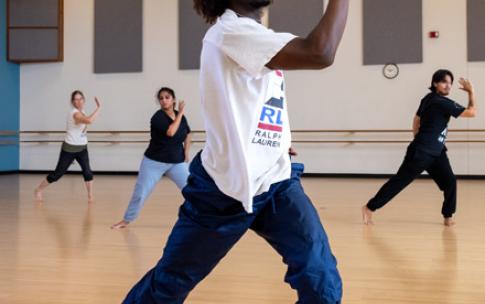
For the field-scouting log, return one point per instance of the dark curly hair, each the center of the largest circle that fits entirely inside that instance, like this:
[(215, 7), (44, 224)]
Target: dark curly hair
[(211, 9)]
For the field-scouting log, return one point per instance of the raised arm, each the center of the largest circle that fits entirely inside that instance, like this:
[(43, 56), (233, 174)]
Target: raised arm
[(471, 110), (174, 126), (318, 49), (80, 118)]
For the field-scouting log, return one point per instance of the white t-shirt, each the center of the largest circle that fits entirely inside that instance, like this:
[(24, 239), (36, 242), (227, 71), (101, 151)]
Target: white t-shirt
[(75, 133), (244, 108)]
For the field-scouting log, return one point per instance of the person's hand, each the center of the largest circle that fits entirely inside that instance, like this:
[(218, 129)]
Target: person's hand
[(98, 103), (292, 152), (181, 106), (466, 85)]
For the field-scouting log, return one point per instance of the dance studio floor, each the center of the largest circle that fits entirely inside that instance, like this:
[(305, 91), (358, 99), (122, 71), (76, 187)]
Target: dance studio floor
[(63, 251)]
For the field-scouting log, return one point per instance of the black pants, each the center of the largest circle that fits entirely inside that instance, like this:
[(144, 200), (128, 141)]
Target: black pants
[(415, 162), (66, 159)]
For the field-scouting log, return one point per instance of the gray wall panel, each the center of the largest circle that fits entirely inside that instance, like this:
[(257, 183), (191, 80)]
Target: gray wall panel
[(118, 45), (32, 44), (192, 29), (476, 30), (296, 17), (33, 12), (393, 31)]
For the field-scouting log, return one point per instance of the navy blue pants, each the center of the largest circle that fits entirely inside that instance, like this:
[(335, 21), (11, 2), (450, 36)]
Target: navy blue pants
[(210, 223)]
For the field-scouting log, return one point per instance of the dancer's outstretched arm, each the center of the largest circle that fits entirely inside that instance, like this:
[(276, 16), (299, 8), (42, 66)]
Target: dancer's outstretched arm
[(174, 126), (317, 51), (471, 110), (80, 118)]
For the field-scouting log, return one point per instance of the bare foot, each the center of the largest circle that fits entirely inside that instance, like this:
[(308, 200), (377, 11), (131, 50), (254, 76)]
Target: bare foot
[(120, 225), (449, 221), (367, 216), (38, 195)]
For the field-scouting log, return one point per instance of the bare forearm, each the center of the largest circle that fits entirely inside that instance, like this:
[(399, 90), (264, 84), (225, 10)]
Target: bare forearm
[(80, 118), (318, 49), (416, 124), (471, 100), (93, 115), (471, 110), (415, 130), (326, 36), (174, 126), (187, 143)]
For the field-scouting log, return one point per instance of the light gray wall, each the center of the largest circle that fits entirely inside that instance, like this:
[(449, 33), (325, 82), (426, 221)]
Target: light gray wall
[(348, 95)]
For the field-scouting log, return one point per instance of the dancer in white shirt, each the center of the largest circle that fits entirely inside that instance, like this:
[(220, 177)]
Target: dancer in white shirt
[(75, 145), (243, 179)]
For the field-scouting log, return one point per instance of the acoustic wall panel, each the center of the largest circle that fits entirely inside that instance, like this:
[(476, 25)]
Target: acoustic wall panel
[(33, 43), (35, 30), (393, 31), (192, 29), (33, 12), (476, 30), (118, 42), (296, 17)]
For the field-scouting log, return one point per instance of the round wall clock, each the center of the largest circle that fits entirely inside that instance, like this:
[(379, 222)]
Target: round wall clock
[(390, 71)]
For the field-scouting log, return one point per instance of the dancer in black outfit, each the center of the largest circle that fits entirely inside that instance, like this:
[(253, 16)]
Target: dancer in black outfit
[(427, 152)]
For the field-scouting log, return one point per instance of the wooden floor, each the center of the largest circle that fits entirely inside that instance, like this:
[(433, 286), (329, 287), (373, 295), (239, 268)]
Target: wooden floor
[(62, 251)]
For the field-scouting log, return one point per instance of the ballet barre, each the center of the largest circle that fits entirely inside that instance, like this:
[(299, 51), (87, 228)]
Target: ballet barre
[(293, 141), (293, 131), (201, 140)]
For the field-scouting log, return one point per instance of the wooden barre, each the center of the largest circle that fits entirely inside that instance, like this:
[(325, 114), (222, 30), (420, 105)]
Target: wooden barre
[(293, 141), (8, 133), (294, 131)]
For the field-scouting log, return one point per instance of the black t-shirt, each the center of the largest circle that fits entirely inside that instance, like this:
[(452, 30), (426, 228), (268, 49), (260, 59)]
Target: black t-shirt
[(163, 148), (435, 112)]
